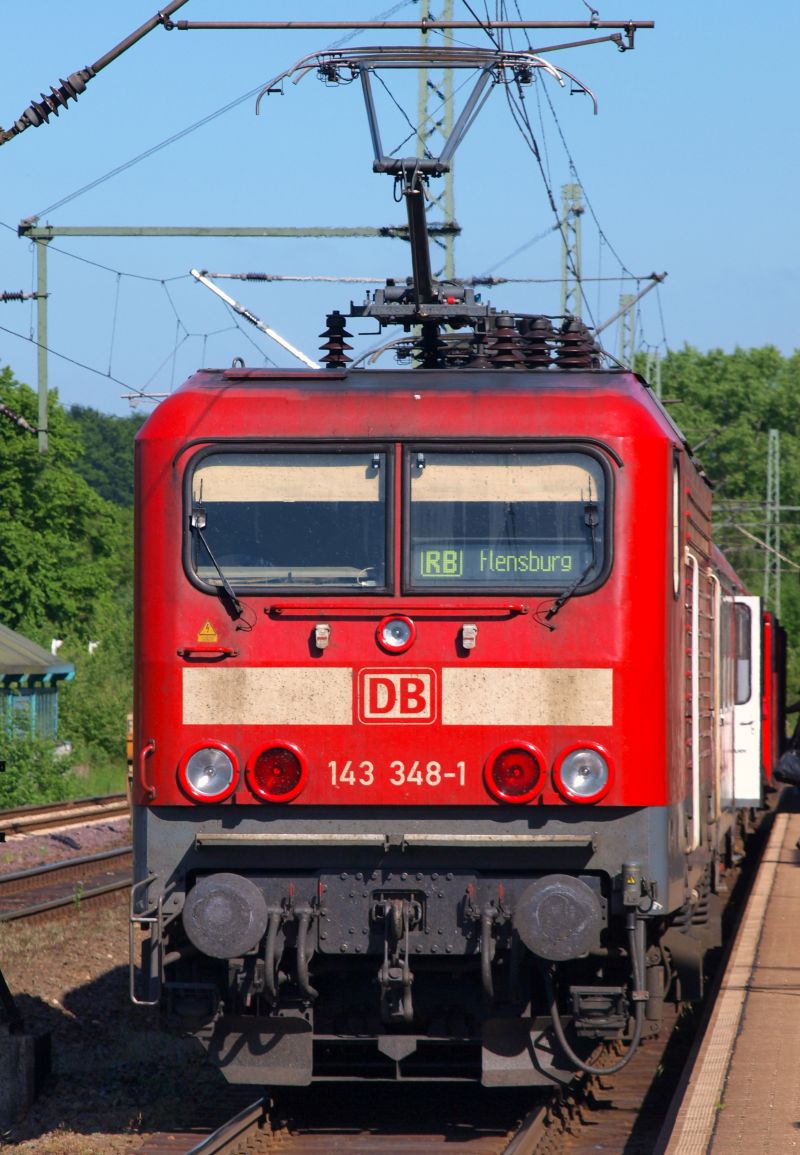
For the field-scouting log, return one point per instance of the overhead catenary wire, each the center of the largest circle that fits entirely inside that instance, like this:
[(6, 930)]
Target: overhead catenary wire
[(763, 545), (180, 327), (59, 100), (70, 360), (119, 275), (522, 120), (114, 323), (51, 248), (524, 246), (573, 170), (520, 116), (107, 376), (525, 128), (189, 129)]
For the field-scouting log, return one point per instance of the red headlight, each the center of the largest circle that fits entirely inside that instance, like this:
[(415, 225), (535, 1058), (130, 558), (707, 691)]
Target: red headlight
[(514, 773), (277, 774)]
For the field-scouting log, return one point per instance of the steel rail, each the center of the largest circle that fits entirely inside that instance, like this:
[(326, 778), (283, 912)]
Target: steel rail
[(27, 818), (76, 898), (227, 1139), (65, 864), (16, 883), (532, 1131), (243, 1130)]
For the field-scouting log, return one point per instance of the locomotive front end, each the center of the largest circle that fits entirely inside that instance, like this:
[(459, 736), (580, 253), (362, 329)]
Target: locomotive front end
[(386, 822)]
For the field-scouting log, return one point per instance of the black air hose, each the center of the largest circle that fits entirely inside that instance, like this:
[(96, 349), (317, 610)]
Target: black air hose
[(638, 983), (305, 986)]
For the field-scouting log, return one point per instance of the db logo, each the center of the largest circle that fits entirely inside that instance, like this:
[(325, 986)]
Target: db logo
[(386, 696)]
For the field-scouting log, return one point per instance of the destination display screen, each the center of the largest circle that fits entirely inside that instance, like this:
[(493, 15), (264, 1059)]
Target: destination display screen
[(506, 520), (486, 562)]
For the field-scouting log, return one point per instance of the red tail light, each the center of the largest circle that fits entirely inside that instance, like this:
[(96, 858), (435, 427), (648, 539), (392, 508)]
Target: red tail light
[(277, 774), (514, 773)]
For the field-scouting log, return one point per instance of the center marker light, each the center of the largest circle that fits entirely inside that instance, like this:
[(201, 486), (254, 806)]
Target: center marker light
[(396, 634)]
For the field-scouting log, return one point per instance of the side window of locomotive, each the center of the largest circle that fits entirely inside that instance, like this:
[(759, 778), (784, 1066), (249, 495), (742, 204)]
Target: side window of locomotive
[(290, 520), (515, 520), (743, 655), (677, 559), (728, 651)]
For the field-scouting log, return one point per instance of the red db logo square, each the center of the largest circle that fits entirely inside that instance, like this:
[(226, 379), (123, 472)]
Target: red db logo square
[(397, 696)]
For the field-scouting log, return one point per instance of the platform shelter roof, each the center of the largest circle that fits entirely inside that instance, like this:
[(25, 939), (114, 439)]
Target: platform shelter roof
[(26, 663)]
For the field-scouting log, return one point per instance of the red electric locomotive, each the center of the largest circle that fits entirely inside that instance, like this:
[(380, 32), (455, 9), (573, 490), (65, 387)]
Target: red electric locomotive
[(446, 703), (438, 675)]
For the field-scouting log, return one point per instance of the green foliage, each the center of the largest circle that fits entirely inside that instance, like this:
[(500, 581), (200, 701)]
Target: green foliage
[(59, 554), (34, 773), (726, 404), (95, 705), (66, 562), (106, 457), (102, 776)]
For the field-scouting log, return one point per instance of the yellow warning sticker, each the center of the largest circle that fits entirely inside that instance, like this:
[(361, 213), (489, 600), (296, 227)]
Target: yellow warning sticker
[(208, 634)]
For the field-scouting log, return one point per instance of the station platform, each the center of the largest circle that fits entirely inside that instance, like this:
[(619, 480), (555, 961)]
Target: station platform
[(741, 1094)]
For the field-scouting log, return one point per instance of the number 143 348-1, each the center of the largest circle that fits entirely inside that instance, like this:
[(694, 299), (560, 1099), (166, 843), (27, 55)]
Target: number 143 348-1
[(398, 773)]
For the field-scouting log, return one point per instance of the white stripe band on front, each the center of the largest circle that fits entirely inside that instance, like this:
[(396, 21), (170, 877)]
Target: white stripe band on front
[(277, 696), (323, 696), (517, 696)]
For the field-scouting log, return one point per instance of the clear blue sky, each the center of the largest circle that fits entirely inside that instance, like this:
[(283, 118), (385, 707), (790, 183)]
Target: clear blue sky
[(691, 167)]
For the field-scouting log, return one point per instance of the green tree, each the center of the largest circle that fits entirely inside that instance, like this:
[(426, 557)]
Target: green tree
[(726, 404), (106, 457), (34, 772), (66, 569), (58, 552), (95, 705)]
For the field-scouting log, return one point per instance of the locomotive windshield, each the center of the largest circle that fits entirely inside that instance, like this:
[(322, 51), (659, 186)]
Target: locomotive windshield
[(512, 520), (290, 520)]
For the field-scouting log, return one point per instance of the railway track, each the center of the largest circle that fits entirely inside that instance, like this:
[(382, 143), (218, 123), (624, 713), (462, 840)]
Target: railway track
[(55, 816), (58, 886), (623, 1112), (614, 1113), (339, 1119)]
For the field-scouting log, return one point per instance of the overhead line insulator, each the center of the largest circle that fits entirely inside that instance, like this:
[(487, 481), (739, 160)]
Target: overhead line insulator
[(39, 111)]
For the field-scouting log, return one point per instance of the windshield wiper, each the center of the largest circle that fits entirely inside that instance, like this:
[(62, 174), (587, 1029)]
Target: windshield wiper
[(234, 606), (591, 517)]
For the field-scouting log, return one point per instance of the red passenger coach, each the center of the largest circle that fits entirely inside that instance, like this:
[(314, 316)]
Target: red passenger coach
[(438, 677), (773, 693)]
